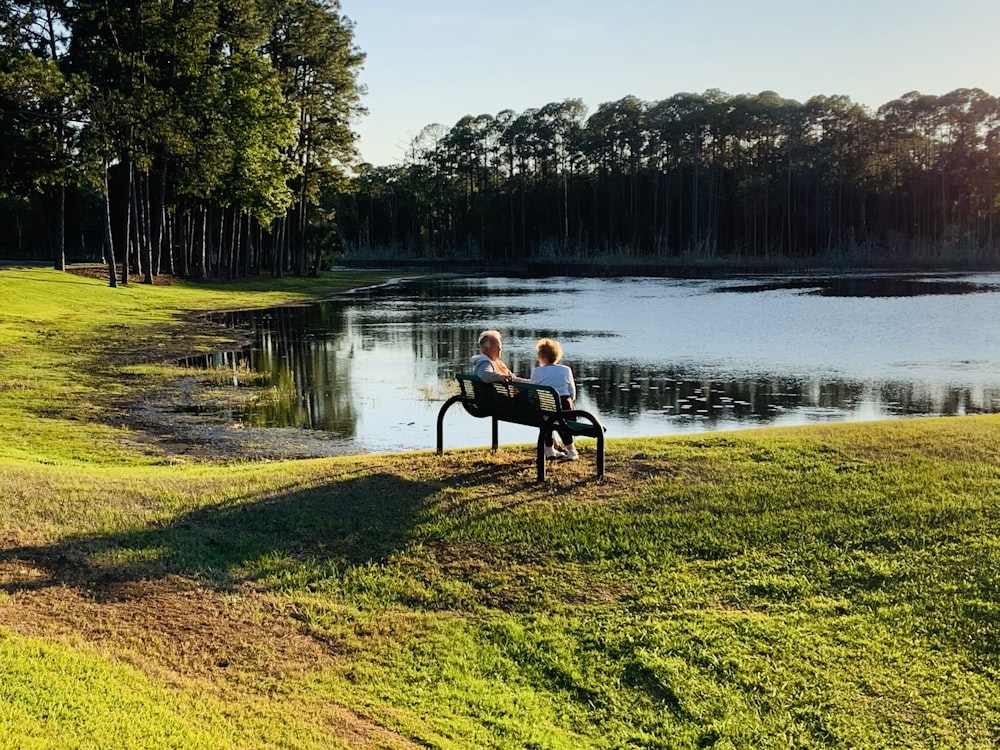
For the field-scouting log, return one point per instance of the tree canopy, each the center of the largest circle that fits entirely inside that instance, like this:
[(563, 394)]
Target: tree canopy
[(203, 129)]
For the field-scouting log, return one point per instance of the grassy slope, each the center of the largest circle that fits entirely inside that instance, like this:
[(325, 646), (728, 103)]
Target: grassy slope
[(813, 587)]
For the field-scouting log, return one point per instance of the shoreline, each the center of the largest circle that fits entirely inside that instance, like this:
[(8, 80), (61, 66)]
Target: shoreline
[(681, 270)]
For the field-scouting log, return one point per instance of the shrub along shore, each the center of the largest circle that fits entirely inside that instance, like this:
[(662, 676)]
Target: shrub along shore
[(825, 586)]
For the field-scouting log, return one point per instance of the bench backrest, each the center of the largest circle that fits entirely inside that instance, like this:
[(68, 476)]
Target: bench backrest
[(523, 403)]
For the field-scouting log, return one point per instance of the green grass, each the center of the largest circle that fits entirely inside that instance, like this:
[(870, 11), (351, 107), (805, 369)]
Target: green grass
[(59, 698), (822, 587), (70, 344)]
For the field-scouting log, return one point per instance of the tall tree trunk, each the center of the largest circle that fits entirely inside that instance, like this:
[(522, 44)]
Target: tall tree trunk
[(160, 228), (167, 231), (184, 228), (203, 249), (59, 251), (135, 230), (126, 219), (229, 218), (276, 248), (145, 247), (220, 243), (179, 238), (248, 245), (302, 259), (109, 246)]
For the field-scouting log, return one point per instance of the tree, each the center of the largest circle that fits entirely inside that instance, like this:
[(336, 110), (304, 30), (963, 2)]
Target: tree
[(311, 46), (108, 50), (36, 109), (259, 126)]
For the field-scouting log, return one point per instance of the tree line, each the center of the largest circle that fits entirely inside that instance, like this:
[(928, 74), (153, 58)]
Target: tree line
[(212, 137), (708, 176), (193, 137)]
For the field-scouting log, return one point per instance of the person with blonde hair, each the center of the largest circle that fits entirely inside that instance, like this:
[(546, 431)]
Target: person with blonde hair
[(551, 373)]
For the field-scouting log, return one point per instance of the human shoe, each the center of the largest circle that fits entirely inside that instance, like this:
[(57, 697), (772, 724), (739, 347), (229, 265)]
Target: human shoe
[(552, 452), (570, 453)]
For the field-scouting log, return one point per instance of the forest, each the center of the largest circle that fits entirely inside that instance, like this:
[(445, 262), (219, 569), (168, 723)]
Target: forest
[(696, 178), (190, 137), (213, 138)]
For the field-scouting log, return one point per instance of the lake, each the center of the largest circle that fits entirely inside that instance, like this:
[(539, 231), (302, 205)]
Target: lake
[(652, 356)]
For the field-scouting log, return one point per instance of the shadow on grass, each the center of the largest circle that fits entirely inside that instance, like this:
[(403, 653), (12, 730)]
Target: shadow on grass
[(350, 523)]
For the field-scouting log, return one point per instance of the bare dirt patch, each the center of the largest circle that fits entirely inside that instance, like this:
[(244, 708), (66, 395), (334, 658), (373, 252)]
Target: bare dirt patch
[(188, 418), (178, 632)]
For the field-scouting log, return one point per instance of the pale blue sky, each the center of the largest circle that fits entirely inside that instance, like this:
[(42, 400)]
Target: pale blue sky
[(438, 60)]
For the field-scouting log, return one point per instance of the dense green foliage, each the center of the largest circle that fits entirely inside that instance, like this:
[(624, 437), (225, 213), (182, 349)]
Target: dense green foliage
[(192, 137), (696, 177), (820, 587)]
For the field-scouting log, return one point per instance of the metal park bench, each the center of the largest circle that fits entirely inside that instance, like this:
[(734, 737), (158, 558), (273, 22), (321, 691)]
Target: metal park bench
[(523, 403)]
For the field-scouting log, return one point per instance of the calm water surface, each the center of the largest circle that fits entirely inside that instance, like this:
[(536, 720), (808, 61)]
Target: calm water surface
[(651, 356)]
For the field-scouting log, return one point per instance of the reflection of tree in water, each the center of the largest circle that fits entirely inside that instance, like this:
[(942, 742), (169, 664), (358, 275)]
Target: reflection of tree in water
[(308, 355), (449, 348), (627, 390), (905, 398), (310, 386), (304, 355)]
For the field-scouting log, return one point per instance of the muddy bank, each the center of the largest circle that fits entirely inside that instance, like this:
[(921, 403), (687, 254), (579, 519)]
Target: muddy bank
[(189, 419)]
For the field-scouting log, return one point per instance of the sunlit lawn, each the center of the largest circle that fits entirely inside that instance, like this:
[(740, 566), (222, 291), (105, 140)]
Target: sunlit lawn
[(828, 586)]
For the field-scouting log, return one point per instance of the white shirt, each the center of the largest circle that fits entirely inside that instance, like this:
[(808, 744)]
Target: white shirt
[(559, 377)]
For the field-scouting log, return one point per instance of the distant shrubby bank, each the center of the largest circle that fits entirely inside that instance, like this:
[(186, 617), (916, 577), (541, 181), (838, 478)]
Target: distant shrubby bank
[(696, 178), (214, 138)]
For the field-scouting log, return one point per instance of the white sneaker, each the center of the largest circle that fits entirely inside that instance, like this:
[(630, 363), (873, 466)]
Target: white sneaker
[(552, 452), (571, 453)]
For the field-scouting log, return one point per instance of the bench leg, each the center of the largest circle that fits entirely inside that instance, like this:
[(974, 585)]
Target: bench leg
[(540, 456), (496, 434), (600, 455), (440, 422)]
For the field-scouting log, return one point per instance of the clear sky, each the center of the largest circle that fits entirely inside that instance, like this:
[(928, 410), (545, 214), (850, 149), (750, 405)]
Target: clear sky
[(438, 60)]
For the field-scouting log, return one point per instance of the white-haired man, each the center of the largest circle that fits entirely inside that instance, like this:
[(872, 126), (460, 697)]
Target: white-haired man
[(487, 365)]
